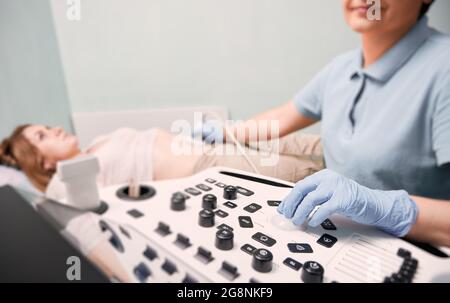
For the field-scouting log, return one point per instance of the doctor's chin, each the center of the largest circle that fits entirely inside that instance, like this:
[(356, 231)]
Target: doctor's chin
[(237, 150)]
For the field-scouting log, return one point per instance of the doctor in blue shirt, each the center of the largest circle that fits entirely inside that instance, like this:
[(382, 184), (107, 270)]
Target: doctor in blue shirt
[(385, 114)]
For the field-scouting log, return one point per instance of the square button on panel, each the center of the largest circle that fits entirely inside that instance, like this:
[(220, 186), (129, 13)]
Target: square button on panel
[(248, 249), (209, 180), (203, 187), (193, 191), (244, 191), (221, 213), (230, 204), (328, 225), (273, 203), (245, 222), (221, 185), (252, 208), (169, 267), (295, 265), (300, 248), (327, 240), (135, 213), (142, 272), (263, 239)]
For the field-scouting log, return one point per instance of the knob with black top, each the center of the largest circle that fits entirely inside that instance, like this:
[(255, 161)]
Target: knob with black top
[(206, 218), (178, 202), (262, 260), (209, 201), (312, 272), (224, 239), (230, 192)]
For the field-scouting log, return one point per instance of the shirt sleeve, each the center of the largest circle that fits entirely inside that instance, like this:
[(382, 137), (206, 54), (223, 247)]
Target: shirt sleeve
[(441, 125), (309, 100)]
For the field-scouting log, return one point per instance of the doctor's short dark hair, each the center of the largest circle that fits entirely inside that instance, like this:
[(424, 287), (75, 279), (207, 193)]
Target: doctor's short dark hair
[(424, 9)]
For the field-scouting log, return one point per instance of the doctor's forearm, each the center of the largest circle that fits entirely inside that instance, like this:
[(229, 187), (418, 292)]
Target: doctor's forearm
[(433, 222), (287, 116)]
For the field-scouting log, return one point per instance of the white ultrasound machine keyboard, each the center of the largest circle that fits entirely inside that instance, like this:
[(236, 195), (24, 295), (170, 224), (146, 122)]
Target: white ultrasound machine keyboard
[(222, 225)]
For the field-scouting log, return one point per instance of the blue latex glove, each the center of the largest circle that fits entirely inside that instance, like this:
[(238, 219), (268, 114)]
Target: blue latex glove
[(391, 211), (211, 132)]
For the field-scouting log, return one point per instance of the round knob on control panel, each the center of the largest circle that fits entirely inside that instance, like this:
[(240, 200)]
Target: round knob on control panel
[(230, 192), (224, 239), (312, 272), (209, 201), (206, 218), (178, 202), (262, 260)]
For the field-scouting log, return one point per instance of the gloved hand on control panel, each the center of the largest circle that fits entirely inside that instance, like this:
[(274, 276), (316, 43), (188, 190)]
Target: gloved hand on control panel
[(391, 211)]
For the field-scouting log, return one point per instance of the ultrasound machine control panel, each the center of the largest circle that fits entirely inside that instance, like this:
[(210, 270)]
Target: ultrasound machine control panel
[(222, 225)]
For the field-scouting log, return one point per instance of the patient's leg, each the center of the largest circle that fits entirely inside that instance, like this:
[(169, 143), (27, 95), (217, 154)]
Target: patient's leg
[(296, 145), (284, 167)]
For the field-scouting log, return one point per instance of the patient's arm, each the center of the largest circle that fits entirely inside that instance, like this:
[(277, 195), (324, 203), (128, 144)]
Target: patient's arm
[(287, 115)]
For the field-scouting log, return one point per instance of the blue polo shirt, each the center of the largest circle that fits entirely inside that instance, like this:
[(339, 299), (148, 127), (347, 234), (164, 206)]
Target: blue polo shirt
[(388, 126)]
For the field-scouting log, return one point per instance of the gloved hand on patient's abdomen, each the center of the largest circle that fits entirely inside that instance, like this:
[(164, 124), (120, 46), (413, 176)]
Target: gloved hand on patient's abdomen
[(391, 211), (211, 131)]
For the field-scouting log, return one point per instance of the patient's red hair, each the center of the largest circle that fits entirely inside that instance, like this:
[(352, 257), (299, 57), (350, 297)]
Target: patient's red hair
[(16, 151)]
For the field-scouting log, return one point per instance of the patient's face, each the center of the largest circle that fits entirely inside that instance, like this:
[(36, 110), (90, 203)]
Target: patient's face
[(395, 15), (53, 143)]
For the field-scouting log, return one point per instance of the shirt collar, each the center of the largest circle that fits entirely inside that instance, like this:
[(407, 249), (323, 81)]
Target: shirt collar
[(385, 67)]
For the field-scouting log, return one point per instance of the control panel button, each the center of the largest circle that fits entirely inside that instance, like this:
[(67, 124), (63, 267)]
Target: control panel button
[(150, 253), (245, 222), (177, 203), (263, 239), (142, 272), (163, 229), (229, 271), (204, 255), (248, 249), (209, 201), (252, 208), (327, 240), (135, 213), (273, 203), (224, 239), (403, 253), (328, 225), (206, 218), (224, 226), (221, 185), (203, 187), (169, 267), (262, 260), (244, 191), (221, 213), (312, 272), (209, 180), (230, 192), (189, 279), (291, 263), (193, 191), (300, 248), (230, 204), (182, 241)]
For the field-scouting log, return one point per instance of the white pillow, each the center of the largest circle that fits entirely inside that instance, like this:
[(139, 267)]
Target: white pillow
[(16, 178)]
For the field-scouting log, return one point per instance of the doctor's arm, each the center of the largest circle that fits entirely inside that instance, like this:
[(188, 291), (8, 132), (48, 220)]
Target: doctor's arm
[(395, 211), (433, 222), (287, 115)]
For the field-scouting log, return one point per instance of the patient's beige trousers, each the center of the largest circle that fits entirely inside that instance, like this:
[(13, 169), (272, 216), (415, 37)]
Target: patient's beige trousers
[(290, 158)]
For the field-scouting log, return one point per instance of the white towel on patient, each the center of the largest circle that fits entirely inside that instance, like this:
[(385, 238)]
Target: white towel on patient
[(125, 155)]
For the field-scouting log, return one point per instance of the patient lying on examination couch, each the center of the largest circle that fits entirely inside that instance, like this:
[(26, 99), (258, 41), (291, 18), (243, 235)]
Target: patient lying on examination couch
[(127, 155)]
